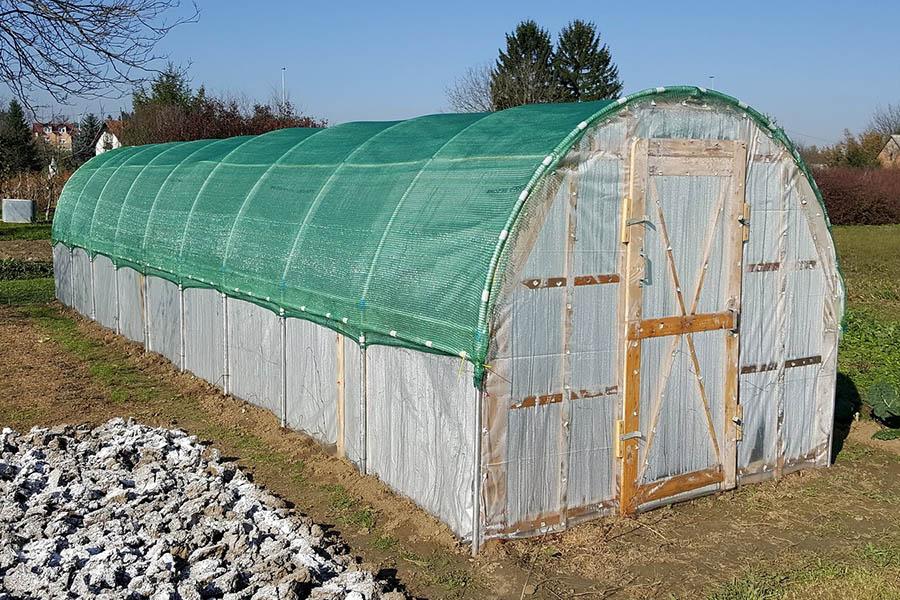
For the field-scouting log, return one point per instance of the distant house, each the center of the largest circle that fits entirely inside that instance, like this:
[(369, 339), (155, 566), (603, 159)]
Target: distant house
[(57, 134), (109, 137), (889, 157)]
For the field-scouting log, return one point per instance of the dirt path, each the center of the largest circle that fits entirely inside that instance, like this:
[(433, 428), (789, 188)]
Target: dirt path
[(32, 250), (56, 367)]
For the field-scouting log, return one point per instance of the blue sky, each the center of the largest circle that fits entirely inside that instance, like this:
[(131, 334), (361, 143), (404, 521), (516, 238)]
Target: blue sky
[(819, 67)]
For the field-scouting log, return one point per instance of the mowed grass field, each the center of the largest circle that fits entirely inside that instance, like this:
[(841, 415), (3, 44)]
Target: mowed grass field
[(826, 534)]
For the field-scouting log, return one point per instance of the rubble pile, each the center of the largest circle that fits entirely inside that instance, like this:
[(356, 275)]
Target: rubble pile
[(129, 511)]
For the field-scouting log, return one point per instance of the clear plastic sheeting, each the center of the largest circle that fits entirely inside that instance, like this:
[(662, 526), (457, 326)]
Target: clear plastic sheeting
[(254, 355), (354, 442), (62, 274), (105, 292), (131, 304), (204, 335), (164, 319), (421, 411), (312, 380)]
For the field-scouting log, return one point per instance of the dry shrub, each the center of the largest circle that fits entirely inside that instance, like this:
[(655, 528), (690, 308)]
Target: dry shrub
[(860, 196), (35, 186)]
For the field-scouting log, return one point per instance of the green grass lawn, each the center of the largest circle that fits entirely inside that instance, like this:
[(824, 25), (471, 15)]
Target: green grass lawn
[(869, 256), (25, 231)]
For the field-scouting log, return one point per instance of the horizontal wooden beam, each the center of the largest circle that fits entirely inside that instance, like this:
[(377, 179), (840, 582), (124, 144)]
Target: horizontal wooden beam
[(553, 519), (531, 401), (678, 485), (684, 148), (788, 364), (651, 328), (560, 282)]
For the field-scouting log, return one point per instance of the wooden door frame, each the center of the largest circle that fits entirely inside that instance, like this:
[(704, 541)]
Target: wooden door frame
[(658, 157)]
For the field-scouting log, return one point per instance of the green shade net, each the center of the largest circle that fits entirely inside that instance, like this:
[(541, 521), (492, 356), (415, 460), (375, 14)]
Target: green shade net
[(386, 229), (392, 230)]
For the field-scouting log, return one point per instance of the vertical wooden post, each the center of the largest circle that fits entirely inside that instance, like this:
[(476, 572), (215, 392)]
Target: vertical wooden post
[(633, 237), (339, 368), (736, 224)]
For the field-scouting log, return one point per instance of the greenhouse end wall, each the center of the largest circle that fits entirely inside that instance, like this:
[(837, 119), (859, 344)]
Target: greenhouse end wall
[(402, 415)]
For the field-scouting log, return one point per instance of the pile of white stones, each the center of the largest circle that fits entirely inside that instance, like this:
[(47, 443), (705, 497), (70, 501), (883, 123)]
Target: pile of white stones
[(135, 512)]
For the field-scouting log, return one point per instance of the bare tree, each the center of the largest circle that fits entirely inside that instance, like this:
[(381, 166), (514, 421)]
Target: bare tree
[(886, 121), (472, 91), (82, 48)]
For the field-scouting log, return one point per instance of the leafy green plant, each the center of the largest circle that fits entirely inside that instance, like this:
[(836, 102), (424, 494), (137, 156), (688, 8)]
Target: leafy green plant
[(869, 357)]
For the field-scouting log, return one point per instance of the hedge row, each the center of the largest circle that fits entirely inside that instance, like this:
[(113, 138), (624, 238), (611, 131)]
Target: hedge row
[(860, 196)]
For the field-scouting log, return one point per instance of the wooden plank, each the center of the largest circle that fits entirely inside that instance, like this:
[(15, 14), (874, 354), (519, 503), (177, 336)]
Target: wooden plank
[(580, 280), (736, 237), (763, 266), (788, 364), (542, 400), (684, 148), (678, 166), (339, 367), (552, 520), (631, 301), (664, 326), (678, 485), (596, 279), (802, 362)]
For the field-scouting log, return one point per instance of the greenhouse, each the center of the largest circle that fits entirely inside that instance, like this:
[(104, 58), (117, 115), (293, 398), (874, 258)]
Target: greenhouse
[(519, 319)]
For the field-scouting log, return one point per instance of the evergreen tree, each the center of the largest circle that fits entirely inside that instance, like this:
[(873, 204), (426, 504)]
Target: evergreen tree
[(18, 152), (524, 72), (83, 142), (171, 87), (584, 68)]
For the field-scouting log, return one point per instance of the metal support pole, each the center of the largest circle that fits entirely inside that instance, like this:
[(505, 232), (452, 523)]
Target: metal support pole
[(181, 326), (364, 409), (118, 326), (72, 277), (282, 322), (476, 475), (93, 293), (146, 311), (225, 342)]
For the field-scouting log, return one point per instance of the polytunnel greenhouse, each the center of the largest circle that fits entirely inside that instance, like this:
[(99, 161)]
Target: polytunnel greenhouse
[(519, 319)]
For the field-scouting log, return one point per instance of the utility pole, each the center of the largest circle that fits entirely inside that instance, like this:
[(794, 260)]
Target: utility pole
[(283, 100)]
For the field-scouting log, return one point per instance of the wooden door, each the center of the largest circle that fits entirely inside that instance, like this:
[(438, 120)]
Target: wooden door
[(684, 225)]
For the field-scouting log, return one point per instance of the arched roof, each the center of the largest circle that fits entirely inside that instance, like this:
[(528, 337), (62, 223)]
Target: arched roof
[(392, 230)]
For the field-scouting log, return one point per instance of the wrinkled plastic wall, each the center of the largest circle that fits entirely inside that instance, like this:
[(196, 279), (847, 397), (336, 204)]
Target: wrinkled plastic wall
[(421, 411), (105, 292), (312, 379), (254, 355), (164, 319), (81, 280), (62, 274), (131, 304), (204, 336)]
